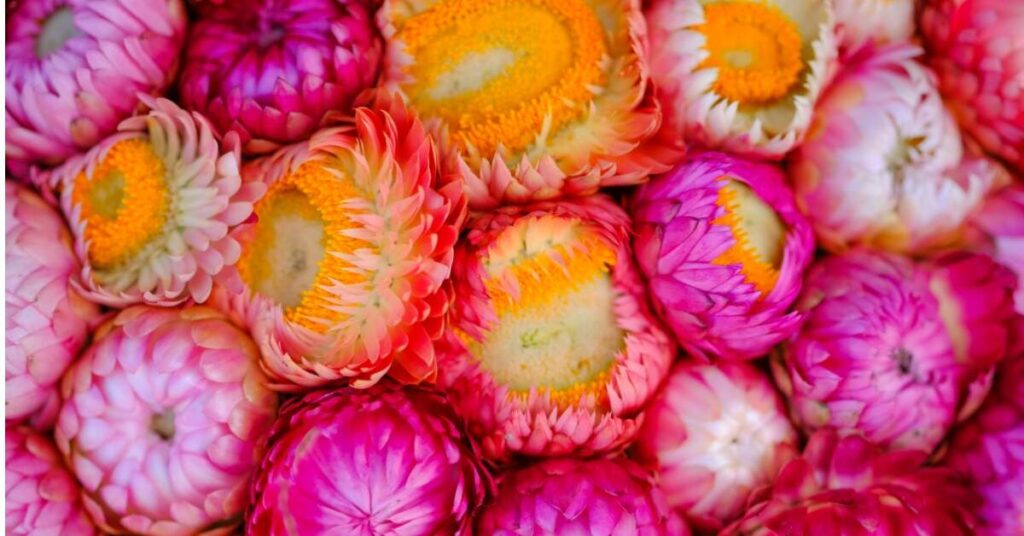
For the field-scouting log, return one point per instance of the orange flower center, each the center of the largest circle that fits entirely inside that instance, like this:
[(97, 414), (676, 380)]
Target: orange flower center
[(124, 202), (503, 71), (759, 236), (756, 49)]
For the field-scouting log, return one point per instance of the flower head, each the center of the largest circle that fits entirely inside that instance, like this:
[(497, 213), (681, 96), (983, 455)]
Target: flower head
[(724, 250), (1000, 224), (74, 69), (386, 460), (741, 75), (344, 269), (532, 118), (551, 349), (269, 70)]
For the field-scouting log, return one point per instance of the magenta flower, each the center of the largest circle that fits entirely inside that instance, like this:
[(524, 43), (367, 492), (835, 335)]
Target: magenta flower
[(41, 497), (270, 69), (384, 460), (1000, 223), (724, 250)]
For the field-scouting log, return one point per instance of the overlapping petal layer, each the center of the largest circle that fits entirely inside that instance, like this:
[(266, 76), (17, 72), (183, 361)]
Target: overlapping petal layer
[(879, 22)]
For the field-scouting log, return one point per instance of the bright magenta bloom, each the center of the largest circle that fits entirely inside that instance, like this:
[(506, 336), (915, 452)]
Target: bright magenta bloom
[(74, 68), (1000, 222), (270, 69), (715, 433), (42, 498), (570, 496), (551, 349), (724, 250), (386, 460), (47, 321), (164, 419)]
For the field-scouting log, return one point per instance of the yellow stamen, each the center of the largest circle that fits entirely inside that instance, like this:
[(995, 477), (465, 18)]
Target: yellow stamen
[(556, 330), (759, 235), (124, 202), (501, 71), (756, 49), (295, 257)]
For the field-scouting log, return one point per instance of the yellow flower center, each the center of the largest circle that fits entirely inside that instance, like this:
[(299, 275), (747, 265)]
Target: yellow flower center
[(549, 282), (503, 71), (756, 49), (298, 255), (759, 235), (124, 202)]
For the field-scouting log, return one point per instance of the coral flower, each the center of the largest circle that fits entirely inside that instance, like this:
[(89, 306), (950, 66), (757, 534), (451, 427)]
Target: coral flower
[(878, 22), (42, 498), (165, 417), (74, 68), (1000, 221), (47, 321), (849, 486), (724, 250), (270, 69), (976, 47), (891, 349), (344, 270), (567, 496), (386, 460), (533, 118), (715, 433), (151, 206), (884, 163), (741, 75), (551, 348)]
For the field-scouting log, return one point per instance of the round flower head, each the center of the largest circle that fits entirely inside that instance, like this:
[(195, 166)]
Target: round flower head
[(849, 486), (884, 164), (988, 452), (47, 321), (551, 349), (890, 349), (879, 22), (344, 269), (724, 250), (532, 118), (165, 417), (976, 47), (75, 67), (269, 69), (151, 206), (571, 496), (41, 497), (741, 75), (386, 460), (1000, 221), (715, 433)]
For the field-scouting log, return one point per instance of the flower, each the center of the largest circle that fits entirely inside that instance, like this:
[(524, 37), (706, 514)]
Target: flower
[(387, 460), (75, 67), (164, 419), (533, 119), (879, 22), (988, 451), (151, 206), (849, 486), (47, 322), (715, 433), (724, 250), (551, 349), (571, 496), (890, 348), (270, 70), (741, 75), (975, 47), (884, 163), (1000, 222), (41, 496)]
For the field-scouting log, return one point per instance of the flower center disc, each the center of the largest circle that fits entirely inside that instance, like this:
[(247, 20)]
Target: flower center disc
[(124, 202), (300, 251), (503, 71), (57, 29), (759, 235), (756, 49), (556, 329)]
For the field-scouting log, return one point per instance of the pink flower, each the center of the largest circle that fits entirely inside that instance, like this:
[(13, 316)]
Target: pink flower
[(41, 498), (1000, 222)]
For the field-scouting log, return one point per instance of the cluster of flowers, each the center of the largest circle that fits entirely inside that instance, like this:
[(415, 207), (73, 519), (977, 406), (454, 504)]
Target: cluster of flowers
[(422, 267)]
